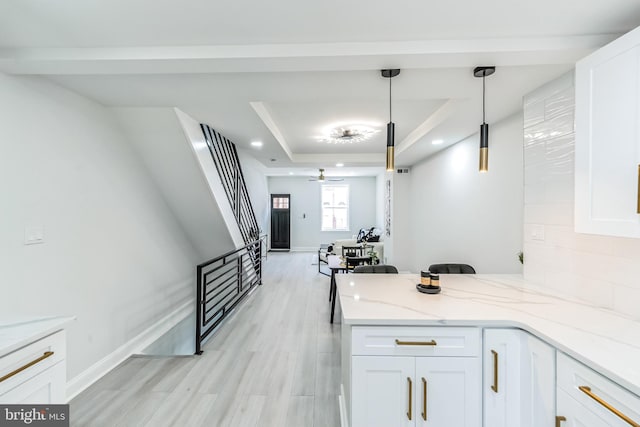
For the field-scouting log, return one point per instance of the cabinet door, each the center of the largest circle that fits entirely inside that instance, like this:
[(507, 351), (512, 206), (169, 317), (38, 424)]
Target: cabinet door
[(502, 375), (608, 139), (384, 391), (48, 386), (577, 415), (538, 383), (448, 392)]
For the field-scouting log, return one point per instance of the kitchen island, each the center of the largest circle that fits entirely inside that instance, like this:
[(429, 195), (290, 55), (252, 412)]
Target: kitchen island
[(376, 308)]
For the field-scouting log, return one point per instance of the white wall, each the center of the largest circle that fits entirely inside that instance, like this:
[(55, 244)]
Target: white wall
[(446, 211), (254, 176), (305, 200), (602, 270), (158, 137), (114, 256)]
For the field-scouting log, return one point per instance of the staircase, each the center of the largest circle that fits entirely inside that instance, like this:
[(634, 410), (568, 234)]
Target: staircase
[(224, 281), (225, 157)]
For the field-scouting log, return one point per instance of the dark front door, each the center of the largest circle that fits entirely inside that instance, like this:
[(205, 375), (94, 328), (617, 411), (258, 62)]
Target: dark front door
[(280, 222)]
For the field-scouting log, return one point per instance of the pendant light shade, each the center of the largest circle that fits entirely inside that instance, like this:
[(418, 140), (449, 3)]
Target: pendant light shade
[(391, 127), (390, 146), (484, 127)]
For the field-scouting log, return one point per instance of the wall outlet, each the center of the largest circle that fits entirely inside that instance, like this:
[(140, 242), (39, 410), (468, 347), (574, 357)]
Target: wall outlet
[(33, 235)]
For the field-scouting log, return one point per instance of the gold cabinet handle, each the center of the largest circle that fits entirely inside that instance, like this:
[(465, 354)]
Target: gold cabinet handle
[(424, 399), (27, 366), (410, 397), (638, 196), (560, 419), (587, 390), (494, 387), (432, 342)]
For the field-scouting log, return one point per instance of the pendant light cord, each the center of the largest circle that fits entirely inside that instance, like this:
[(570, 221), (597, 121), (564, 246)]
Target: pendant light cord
[(483, 92), (390, 117)]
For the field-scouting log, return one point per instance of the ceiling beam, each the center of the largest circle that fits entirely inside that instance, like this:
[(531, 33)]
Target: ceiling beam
[(300, 57)]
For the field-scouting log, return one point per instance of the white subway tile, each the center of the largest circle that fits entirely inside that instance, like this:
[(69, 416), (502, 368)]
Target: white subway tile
[(559, 214), (533, 113), (627, 301)]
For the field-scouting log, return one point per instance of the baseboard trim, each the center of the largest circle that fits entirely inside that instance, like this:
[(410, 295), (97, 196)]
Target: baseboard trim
[(344, 422), (96, 371)]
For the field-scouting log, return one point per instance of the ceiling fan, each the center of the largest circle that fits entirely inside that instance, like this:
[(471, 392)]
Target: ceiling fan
[(321, 177)]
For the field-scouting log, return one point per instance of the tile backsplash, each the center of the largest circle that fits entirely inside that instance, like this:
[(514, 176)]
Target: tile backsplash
[(602, 270)]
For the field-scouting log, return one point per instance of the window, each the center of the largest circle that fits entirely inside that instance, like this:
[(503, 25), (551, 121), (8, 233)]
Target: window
[(280, 202), (335, 208)]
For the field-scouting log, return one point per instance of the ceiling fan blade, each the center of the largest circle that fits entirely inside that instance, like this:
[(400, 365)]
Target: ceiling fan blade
[(335, 179)]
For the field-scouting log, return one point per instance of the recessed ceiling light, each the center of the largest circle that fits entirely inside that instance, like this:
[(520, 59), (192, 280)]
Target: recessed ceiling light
[(290, 173), (256, 143), (339, 165), (437, 141)]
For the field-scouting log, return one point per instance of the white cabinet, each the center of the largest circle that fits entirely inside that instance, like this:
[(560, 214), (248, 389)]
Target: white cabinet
[(381, 390), (501, 367), (35, 373), (586, 398), (448, 392), (607, 161), (538, 370), (415, 376), (575, 415), (519, 379)]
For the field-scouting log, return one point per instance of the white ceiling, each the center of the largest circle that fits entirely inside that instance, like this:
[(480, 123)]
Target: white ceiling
[(280, 71)]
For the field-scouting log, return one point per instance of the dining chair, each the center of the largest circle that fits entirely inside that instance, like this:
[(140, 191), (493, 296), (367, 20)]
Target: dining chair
[(354, 261), (352, 251), (451, 269), (380, 268)]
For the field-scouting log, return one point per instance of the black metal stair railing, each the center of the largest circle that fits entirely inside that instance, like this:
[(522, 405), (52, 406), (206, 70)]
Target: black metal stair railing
[(222, 283), (225, 157)]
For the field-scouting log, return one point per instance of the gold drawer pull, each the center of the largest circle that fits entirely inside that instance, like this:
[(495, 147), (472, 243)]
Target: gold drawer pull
[(587, 390), (432, 342), (424, 399), (638, 207), (410, 398), (494, 387), (28, 365), (560, 419)]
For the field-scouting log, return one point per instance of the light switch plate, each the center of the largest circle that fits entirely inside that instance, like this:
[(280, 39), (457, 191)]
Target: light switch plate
[(33, 235)]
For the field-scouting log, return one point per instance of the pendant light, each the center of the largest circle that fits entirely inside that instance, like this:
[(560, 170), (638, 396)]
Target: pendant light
[(389, 74), (484, 127)]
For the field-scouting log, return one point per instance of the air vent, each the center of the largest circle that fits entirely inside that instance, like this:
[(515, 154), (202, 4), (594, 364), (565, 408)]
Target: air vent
[(402, 170)]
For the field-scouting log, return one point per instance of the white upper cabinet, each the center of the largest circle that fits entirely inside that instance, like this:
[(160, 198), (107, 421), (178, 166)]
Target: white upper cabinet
[(607, 167)]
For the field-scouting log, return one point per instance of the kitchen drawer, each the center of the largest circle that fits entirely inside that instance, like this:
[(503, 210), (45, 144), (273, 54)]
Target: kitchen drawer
[(573, 375), (36, 351), (413, 340), (49, 386)]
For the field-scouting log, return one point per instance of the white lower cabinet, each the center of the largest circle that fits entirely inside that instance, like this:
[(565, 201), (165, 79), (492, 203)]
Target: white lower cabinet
[(448, 392), (519, 379), (381, 391), (412, 376), (586, 398), (576, 415), (35, 373)]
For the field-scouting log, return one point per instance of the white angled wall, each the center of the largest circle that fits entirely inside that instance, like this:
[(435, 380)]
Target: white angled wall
[(306, 212), (446, 211), (600, 269), (113, 253)]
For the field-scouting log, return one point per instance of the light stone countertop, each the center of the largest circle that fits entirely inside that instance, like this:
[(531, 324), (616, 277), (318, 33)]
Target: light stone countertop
[(16, 333), (606, 341)]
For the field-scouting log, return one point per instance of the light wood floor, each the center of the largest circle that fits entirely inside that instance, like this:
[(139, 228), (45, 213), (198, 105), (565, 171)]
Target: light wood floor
[(275, 363)]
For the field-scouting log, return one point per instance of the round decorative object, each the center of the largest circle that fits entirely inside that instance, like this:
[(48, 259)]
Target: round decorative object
[(429, 289)]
